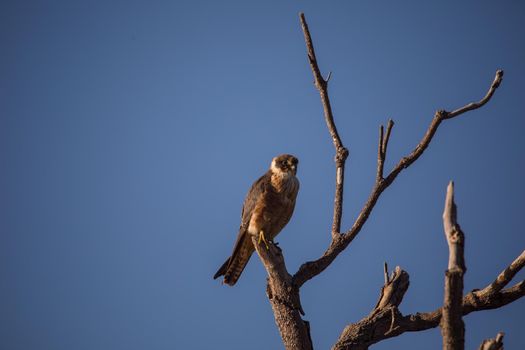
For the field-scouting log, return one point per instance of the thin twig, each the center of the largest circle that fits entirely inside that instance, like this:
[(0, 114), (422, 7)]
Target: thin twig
[(475, 105), (328, 77), (389, 127), (381, 150), (393, 327), (320, 83), (380, 155), (393, 291)]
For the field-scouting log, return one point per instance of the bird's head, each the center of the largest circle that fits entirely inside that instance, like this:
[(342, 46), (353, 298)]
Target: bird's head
[(285, 164)]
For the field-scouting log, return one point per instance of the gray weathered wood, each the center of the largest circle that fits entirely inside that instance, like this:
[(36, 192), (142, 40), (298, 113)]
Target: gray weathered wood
[(452, 325)]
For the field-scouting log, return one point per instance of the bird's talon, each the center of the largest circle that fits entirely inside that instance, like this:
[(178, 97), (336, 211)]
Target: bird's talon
[(263, 239)]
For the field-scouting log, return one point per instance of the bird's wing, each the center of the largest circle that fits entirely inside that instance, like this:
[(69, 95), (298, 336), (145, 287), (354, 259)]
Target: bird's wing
[(286, 208), (243, 248), (256, 193)]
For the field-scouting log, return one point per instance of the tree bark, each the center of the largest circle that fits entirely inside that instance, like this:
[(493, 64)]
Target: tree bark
[(493, 344), (284, 298), (387, 323), (452, 325), (382, 318)]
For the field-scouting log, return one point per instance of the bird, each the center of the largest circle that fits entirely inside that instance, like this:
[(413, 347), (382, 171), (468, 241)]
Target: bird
[(267, 208)]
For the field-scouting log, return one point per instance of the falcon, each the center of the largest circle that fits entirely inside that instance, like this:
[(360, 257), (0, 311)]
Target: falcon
[(267, 208)]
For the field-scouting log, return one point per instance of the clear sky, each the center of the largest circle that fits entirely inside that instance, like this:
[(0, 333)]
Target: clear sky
[(130, 132)]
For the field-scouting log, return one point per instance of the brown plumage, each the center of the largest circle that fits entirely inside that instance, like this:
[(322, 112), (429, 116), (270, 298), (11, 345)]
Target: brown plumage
[(267, 208)]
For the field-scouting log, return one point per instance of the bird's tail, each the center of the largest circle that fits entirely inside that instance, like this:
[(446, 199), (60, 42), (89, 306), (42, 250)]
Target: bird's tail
[(234, 265), (222, 270)]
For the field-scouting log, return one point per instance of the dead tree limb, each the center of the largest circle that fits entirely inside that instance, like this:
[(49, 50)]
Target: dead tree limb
[(382, 318), (388, 322), (452, 325), (341, 153), (381, 149), (493, 343), (284, 298), (506, 275), (340, 241)]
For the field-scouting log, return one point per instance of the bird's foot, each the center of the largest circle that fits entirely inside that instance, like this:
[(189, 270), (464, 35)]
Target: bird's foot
[(263, 239), (276, 245)]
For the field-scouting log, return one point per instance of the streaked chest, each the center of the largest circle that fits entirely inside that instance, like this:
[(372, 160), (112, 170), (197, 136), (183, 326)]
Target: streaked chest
[(286, 186)]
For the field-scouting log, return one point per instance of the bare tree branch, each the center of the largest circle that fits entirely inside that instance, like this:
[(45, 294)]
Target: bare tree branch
[(493, 344), (389, 127), (380, 155), (476, 105), (452, 325), (381, 149), (393, 290), (382, 319), (339, 242), (284, 298), (454, 235), (506, 275), (341, 153), (388, 322)]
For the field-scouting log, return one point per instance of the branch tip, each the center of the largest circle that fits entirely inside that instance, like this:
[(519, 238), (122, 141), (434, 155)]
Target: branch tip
[(497, 79), (494, 343), (450, 192), (499, 337), (449, 213), (328, 77), (474, 105), (389, 127)]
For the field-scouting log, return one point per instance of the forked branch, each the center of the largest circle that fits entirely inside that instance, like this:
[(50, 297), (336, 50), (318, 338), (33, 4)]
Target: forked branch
[(341, 153), (382, 147), (386, 321), (382, 319), (339, 241)]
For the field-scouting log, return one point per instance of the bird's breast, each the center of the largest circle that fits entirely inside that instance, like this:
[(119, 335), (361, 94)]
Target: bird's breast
[(286, 186)]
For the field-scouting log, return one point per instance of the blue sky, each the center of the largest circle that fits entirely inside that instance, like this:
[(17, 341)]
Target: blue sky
[(130, 132)]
